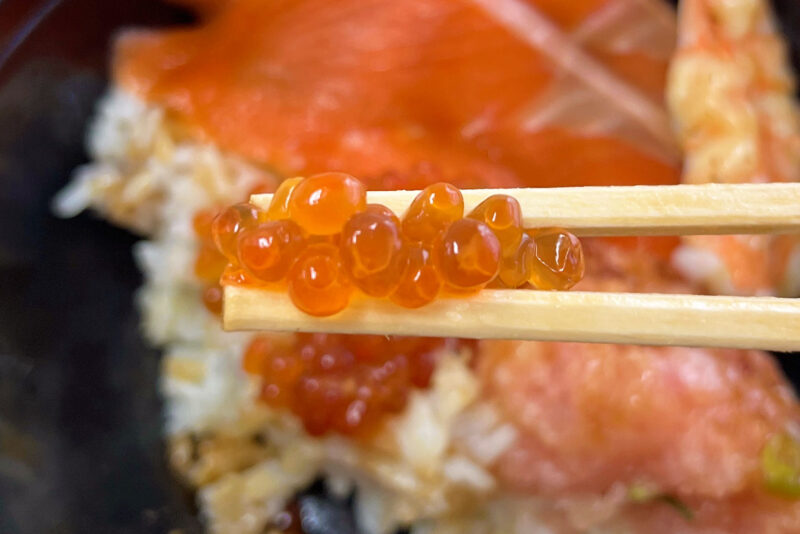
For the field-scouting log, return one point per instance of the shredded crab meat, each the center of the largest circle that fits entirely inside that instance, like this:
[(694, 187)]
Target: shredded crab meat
[(731, 93)]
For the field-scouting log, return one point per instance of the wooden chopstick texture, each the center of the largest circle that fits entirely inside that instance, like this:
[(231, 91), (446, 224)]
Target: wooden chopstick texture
[(628, 318), (709, 209), (572, 316)]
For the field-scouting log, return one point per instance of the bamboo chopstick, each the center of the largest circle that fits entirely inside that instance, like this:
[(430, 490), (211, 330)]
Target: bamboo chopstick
[(709, 209), (644, 319), (593, 317)]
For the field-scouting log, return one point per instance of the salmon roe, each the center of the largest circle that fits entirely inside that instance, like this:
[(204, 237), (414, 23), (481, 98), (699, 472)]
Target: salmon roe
[(419, 282), (503, 215), (321, 239), (266, 250), (227, 225), (322, 204), (321, 242), (279, 206), (343, 383), (468, 256), (212, 299), (317, 281), (209, 263), (515, 268), (202, 223), (557, 259), (432, 212), (370, 245)]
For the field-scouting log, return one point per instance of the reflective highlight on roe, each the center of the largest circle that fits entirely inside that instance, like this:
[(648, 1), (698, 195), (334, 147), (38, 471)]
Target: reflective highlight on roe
[(321, 242)]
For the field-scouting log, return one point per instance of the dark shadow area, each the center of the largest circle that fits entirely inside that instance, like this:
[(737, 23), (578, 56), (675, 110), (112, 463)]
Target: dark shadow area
[(80, 418)]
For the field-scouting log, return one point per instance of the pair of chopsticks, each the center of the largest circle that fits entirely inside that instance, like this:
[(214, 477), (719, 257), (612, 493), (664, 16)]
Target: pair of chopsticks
[(631, 318)]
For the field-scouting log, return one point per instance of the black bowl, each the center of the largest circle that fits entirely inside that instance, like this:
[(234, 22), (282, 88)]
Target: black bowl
[(80, 418), (80, 424)]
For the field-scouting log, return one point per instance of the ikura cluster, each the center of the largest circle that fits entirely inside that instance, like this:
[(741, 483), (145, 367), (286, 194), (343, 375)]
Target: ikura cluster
[(342, 383), (321, 241), (209, 263)]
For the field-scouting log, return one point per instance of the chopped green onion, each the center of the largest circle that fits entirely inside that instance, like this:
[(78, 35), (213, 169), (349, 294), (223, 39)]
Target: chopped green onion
[(780, 461), (644, 493), (681, 507)]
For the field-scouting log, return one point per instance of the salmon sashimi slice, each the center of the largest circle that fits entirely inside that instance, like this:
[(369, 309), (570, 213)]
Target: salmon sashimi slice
[(377, 86), (731, 92), (633, 38)]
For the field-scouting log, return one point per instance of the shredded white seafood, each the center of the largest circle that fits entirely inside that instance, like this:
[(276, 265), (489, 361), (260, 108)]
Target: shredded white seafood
[(731, 94)]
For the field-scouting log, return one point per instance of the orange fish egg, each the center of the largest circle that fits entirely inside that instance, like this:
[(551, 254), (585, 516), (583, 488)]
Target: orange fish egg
[(557, 259), (267, 250), (431, 212), (370, 246), (330, 403), (209, 263), (468, 256), (515, 268), (341, 392), (418, 282), (380, 209), (202, 223), (281, 372), (322, 203), (212, 299), (503, 215), (279, 206), (256, 353), (343, 383), (227, 225), (317, 282)]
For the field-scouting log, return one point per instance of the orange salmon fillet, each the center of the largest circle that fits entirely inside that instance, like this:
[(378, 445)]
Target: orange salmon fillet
[(313, 86)]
